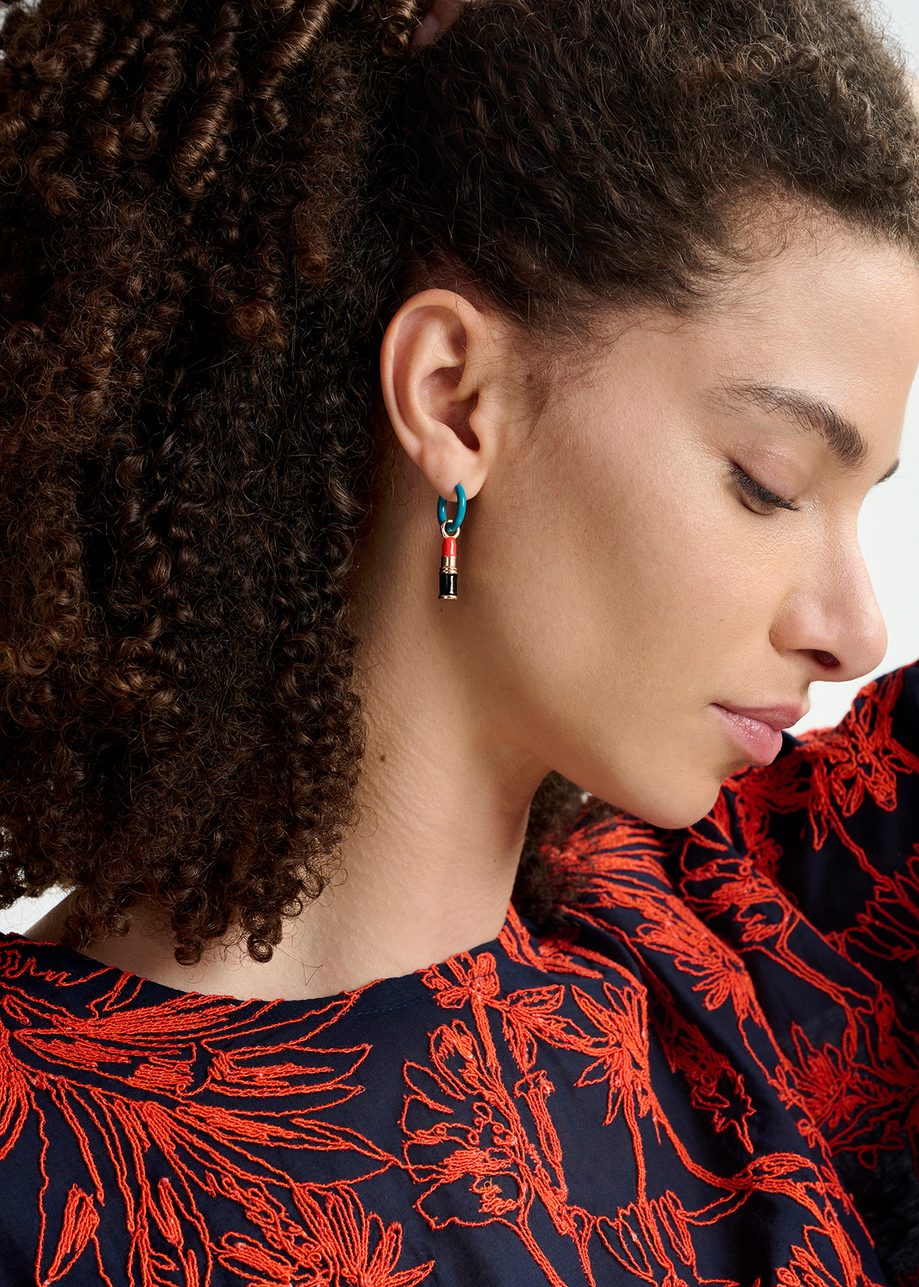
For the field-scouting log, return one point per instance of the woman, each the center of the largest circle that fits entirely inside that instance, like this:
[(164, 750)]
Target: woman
[(435, 913)]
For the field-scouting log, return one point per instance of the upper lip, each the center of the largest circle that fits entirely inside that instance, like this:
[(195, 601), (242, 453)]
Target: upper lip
[(777, 717)]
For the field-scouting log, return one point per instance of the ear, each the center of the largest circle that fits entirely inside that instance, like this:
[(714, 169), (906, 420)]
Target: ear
[(434, 360)]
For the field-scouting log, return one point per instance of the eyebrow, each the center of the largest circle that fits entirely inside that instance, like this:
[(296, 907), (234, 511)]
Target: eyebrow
[(807, 413)]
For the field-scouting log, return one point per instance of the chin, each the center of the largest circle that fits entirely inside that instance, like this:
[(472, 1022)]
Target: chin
[(671, 811)]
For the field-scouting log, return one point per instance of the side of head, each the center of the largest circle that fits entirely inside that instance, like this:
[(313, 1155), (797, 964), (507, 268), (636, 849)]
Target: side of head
[(216, 222)]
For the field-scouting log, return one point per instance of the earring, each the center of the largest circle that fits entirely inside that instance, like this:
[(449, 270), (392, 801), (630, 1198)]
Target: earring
[(450, 531)]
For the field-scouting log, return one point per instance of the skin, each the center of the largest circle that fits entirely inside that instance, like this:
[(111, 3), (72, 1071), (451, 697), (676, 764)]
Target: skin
[(614, 582), (439, 16)]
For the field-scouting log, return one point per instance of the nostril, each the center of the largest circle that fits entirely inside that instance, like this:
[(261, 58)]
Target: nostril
[(826, 658)]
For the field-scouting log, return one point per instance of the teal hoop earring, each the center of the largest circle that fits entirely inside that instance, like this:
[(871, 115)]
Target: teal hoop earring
[(450, 531)]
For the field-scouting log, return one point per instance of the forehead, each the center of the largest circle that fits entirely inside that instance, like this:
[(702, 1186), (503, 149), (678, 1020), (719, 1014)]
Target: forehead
[(822, 311), (831, 310), (805, 289), (794, 262)]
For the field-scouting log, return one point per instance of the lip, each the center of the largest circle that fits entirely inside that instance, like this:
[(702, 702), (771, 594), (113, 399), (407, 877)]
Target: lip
[(759, 732), (777, 717)]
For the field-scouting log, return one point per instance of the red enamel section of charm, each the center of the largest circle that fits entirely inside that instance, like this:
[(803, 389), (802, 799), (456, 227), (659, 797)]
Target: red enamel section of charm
[(448, 549)]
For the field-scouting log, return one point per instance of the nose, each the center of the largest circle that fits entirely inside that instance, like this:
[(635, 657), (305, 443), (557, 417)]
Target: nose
[(845, 628)]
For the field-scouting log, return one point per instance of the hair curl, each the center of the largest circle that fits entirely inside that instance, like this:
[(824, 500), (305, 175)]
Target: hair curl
[(208, 215)]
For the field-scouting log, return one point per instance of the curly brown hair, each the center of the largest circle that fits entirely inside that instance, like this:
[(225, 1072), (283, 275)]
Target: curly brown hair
[(209, 214)]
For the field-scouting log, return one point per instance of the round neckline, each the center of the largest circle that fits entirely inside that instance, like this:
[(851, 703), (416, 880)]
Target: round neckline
[(377, 995), (389, 992)]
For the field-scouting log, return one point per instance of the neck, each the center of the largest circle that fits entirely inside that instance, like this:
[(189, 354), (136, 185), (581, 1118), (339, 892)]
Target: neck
[(429, 870)]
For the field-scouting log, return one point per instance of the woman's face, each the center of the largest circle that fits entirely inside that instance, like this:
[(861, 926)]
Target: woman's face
[(617, 582)]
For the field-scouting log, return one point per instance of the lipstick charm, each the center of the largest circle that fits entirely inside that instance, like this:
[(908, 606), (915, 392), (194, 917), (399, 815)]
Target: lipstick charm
[(448, 568), (449, 531)]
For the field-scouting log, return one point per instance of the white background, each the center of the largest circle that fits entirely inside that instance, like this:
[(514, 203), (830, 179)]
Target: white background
[(889, 526), (888, 529)]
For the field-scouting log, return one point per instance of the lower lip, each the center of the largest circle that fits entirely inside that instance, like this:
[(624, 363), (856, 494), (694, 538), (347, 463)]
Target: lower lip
[(761, 742)]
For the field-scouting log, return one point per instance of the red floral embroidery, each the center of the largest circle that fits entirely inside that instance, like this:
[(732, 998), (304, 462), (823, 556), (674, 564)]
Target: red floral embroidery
[(710, 1076), (129, 1083), (333, 1240)]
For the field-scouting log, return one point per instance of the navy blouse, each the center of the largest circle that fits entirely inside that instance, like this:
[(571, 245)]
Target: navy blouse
[(709, 1076)]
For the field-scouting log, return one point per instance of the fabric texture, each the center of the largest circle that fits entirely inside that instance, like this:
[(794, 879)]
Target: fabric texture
[(710, 1076)]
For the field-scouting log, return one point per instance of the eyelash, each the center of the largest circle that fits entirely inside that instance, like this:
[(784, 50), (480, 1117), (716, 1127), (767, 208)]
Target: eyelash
[(758, 492)]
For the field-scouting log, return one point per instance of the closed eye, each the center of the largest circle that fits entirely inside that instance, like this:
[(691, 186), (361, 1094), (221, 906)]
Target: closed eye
[(756, 491)]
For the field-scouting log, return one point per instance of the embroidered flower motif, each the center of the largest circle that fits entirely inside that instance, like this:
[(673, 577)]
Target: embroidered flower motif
[(472, 975), (469, 1146), (716, 1086), (621, 1054), (463, 1139), (652, 1241), (212, 1088), (334, 1240), (720, 973), (718, 1037)]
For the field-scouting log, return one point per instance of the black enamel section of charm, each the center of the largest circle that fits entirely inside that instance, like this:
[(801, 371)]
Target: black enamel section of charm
[(447, 585)]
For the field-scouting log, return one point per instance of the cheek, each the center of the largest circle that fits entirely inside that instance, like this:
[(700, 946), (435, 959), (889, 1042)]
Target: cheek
[(633, 603), (684, 563), (617, 618)]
